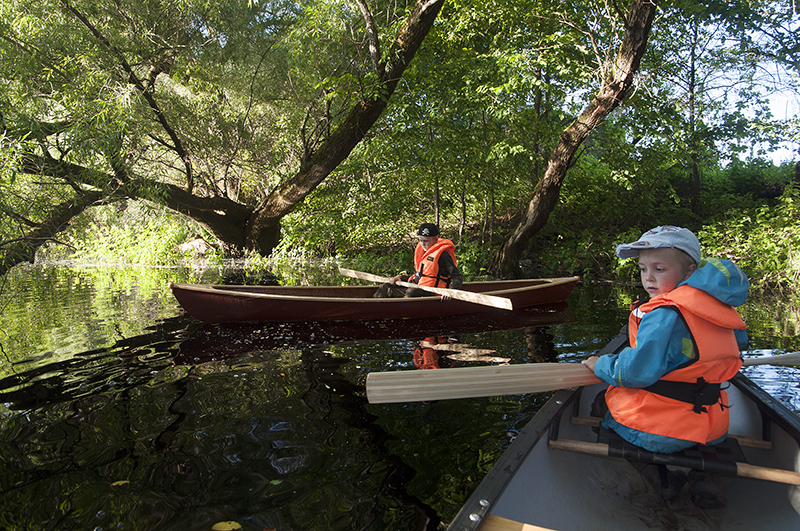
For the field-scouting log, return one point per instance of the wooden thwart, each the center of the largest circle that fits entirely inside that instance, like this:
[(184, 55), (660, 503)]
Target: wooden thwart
[(744, 440), (741, 469), (472, 382), (469, 296)]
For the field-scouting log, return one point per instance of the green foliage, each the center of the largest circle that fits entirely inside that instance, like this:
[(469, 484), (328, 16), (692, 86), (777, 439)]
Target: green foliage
[(763, 240), (463, 143), (474, 260), (774, 317), (126, 233), (251, 88), (296, 267), (390, 264)]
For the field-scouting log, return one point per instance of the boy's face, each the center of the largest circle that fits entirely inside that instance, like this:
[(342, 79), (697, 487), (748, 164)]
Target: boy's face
[(427, 241), (662, 270)]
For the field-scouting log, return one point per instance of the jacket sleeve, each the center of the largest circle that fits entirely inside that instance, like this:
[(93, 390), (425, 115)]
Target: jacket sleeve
[(446, 264), (663, 344)]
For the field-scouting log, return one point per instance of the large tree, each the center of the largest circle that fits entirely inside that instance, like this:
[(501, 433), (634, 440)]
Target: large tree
[(466, 140), (617, 78), (231, 112)]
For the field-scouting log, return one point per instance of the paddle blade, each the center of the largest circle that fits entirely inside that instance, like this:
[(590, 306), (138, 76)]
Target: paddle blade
[(791, 359), (472, 382), (361, 275)]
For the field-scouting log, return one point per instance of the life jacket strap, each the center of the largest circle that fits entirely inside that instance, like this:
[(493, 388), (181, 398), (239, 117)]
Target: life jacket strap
[(698, 394)]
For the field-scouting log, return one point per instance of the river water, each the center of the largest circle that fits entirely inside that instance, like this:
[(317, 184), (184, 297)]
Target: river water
[(118, 411)]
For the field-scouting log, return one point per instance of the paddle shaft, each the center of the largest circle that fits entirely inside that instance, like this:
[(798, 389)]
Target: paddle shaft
[(472, 382), (469, 296)]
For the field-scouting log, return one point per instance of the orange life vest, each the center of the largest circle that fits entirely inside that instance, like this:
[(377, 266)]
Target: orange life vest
[(715, 359), (426, 263)]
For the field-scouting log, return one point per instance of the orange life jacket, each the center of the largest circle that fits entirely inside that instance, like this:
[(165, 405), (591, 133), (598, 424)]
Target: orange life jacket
[(715, 359), (426, 263)]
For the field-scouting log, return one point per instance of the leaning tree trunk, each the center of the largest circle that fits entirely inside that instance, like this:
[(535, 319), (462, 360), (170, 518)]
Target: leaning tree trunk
[(262, 232), (613, 92), (18, 250)]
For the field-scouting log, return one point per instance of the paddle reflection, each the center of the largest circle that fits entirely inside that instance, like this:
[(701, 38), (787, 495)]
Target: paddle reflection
[(443, 352), (429, 355), (541, 347)]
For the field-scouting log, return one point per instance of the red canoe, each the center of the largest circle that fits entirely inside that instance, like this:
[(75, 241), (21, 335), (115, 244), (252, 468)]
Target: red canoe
[(212, 303)]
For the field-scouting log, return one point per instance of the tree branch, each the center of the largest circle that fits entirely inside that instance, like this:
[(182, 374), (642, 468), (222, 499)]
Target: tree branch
[(263, 230), (222, 216), (372, 36), (143, 89)]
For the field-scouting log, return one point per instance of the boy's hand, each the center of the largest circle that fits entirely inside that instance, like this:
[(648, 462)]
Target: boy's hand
[(590, 361)]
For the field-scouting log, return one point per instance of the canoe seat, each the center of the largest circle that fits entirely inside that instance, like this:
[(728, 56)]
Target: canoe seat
[(743, 440), (719, 459), (725, 459)]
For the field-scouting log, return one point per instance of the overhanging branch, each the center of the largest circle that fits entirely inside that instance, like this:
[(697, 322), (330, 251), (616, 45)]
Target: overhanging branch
[(177, 144)]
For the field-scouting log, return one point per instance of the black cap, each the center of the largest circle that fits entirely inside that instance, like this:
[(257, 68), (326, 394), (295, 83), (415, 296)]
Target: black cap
[(428, 229)]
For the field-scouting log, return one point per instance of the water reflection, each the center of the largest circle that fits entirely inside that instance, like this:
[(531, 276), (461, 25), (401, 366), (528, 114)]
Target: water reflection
[(279, 439), (120, 412), (427, 357), (182, 425), (432, 350), (47, 379), (231, 339)]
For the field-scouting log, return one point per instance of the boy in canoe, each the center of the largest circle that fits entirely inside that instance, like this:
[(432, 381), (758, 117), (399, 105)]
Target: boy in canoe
[(434, 265), (665, 390)]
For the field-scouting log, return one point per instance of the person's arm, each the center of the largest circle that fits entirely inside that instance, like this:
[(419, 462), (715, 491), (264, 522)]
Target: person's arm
[(447, 265), (662, 343)]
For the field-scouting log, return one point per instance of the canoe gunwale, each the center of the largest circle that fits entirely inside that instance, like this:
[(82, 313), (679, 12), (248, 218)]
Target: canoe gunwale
[(230, 290), (770, 408), (497, 479)]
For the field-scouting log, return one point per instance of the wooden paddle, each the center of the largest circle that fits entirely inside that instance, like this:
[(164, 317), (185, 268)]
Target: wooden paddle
[(469, 296), (471, 382)]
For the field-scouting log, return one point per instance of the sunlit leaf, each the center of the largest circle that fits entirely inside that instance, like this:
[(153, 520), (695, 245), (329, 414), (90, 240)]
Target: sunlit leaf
[(226, 526)]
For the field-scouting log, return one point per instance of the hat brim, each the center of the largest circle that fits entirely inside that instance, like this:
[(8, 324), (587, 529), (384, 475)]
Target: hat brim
[(627, 251), (631, 250)]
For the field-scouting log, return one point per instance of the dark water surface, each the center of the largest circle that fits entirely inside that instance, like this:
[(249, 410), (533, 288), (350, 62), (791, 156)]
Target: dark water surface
[(117, 411)]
